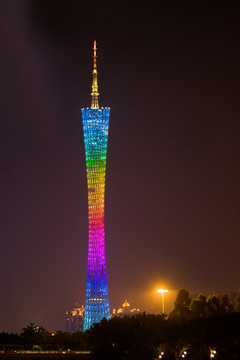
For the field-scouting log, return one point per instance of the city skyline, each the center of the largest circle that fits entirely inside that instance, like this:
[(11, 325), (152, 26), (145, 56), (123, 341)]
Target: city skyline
[(171, 78)]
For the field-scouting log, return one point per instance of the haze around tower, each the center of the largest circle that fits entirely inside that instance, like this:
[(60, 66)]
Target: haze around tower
[(171, 78)]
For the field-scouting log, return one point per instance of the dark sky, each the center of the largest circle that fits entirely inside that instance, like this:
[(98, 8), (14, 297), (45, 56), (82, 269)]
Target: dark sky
[(171, 78)]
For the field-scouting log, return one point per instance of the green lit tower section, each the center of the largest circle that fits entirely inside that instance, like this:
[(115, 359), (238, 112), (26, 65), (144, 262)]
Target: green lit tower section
[(95, 130)]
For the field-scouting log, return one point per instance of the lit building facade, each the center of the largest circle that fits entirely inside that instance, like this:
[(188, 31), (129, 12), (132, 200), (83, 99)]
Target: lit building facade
[(95, 130), (125, 310), (74, 319)]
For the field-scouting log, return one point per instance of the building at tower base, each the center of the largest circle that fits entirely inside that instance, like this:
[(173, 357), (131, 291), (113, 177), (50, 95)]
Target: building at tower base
[(125, 310)]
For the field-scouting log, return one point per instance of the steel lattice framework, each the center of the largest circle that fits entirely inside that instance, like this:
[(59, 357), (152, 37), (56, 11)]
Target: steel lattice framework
[(95, 130)]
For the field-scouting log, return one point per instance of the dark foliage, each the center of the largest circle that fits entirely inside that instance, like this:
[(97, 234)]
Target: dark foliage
[(195, 328)]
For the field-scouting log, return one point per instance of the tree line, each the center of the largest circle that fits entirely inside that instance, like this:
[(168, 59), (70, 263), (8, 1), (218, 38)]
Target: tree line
[(197, 328)]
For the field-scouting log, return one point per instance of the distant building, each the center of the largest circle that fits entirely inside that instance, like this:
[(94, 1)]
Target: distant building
[(74, 319), (125, 310)]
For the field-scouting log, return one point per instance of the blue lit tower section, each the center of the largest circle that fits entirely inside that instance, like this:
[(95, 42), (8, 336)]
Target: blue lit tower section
[(95, 130)]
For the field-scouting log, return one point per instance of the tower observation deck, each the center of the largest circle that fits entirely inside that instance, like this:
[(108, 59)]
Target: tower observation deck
[(95, 131)]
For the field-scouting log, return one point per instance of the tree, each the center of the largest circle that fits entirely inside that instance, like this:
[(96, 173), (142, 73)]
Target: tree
[(237, 302), (34, 335), (198, 306), (137, 337), (182, 300), (226, 304), (181, 305), (218, 304), (76, 341), (213, 305)]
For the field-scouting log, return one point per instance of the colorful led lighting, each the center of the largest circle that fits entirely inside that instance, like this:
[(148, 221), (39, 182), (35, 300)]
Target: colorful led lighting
[(95, 130)]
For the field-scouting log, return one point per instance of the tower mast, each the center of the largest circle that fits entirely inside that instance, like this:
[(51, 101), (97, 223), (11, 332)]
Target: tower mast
[(95, 92), (95, 131)]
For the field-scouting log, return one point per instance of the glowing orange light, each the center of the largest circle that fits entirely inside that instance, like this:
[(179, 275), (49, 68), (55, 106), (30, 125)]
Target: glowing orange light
[(162, 291)]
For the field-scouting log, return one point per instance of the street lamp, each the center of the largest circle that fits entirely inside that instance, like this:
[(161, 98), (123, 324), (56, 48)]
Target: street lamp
[(162, 292)]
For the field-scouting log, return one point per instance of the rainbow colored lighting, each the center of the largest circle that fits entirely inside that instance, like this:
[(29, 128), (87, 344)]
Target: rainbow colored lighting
[(95, 130)]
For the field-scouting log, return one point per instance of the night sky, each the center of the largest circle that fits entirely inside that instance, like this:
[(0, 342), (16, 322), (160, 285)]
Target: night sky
[(171, 77)]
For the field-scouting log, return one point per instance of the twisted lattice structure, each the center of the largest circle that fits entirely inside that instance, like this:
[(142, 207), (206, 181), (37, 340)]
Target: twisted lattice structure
[(95, 129)]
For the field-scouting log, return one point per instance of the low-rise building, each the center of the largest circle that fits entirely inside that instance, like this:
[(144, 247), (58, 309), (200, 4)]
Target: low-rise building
[(125, 310)]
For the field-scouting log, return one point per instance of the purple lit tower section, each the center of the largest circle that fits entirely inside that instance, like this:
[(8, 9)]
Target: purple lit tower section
[(95, 130)]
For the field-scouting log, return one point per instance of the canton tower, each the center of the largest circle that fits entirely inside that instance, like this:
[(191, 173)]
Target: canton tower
[(95, 131)]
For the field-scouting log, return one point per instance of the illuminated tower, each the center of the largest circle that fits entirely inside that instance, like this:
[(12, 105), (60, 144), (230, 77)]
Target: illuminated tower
[(95, 130)]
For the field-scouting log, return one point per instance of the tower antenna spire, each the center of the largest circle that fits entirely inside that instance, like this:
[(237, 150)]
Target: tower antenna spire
[(95, 92)]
